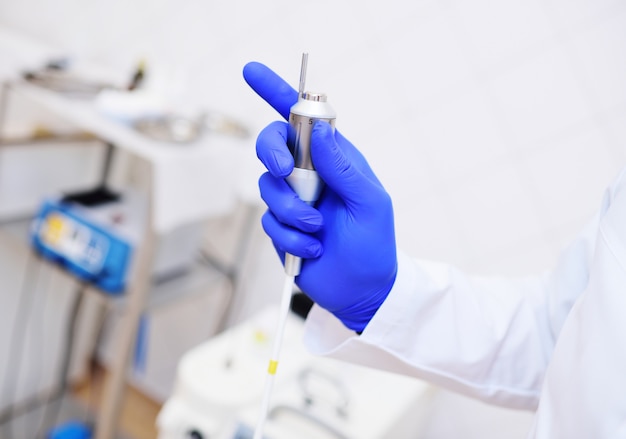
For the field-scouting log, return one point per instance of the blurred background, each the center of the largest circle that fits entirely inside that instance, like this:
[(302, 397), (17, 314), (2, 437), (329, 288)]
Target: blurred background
[(495, 126)]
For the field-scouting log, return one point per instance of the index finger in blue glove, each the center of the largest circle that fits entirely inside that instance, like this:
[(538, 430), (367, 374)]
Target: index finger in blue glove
[(271, 87)]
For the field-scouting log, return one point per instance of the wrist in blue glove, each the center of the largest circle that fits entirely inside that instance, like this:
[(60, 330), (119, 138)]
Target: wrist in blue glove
[(347, 240)]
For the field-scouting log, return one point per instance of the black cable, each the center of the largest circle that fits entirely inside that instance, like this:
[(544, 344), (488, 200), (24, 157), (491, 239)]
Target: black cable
[(53, 408), (94, 392), (16, 336), (233, 271), (37, 339)]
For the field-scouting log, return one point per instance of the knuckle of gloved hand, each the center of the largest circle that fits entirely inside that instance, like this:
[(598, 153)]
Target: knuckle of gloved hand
[(270, 224), (271, 148), (276, 225), (378, 193), (288, 239), (263, 181), (383, 201), (385, 198), (266, 218), (270, 189)]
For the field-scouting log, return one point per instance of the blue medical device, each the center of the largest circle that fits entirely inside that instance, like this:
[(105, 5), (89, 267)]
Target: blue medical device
[(84, 239)]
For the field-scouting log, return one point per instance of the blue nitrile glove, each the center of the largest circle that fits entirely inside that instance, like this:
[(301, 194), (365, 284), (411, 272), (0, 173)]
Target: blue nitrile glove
[(347, 241)]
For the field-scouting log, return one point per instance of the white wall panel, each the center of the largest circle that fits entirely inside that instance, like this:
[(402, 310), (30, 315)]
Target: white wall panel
[(494, 125)]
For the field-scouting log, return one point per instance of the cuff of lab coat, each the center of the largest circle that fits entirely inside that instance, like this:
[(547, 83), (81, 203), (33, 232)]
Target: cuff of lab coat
[(325, 334)]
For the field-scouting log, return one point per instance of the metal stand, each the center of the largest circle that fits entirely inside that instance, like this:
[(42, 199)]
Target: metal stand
[(137, 297), (108, 419)]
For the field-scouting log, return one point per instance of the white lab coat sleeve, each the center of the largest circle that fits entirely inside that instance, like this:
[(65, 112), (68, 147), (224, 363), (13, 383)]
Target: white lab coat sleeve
[(583, 393), (488, 338)]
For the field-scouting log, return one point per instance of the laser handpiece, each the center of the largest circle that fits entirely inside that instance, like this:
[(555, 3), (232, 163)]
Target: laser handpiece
[(305, 182)]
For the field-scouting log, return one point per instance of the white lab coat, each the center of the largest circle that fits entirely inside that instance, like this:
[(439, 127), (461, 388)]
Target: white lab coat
[(554, 343)]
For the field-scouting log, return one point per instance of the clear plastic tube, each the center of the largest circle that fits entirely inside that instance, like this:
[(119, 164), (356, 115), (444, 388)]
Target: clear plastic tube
[(285, 302)]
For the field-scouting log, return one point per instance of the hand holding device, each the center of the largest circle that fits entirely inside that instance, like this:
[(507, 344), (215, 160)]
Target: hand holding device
[(348, 238)]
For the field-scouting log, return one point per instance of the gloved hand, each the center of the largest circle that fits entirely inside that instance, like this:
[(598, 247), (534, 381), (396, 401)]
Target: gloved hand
[(347, 240)]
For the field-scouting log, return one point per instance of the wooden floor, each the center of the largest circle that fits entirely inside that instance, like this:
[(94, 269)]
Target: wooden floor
[(138, 412)]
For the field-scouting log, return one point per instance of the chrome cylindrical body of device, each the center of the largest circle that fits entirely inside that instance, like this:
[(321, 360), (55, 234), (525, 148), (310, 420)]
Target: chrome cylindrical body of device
[(311, 107)]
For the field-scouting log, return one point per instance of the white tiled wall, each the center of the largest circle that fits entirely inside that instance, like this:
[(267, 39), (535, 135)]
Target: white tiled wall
[(495, 125)]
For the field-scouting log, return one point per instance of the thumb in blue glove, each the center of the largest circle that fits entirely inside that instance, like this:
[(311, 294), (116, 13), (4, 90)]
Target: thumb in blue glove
[(348, 239)]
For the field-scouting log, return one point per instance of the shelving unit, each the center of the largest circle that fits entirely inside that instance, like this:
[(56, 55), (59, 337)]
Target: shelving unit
[(142, 295)]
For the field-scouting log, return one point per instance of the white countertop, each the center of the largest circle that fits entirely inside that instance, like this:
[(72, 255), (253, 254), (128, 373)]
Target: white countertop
[(191, 182)]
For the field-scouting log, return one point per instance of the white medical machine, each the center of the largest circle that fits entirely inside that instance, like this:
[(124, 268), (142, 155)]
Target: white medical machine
[(219, 387)]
